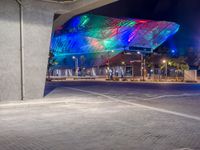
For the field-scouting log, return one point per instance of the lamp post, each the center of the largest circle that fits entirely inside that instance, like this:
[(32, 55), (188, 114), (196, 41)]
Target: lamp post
[(109, 57), (109, 62), (142, 67), (82, 64), (76, 65), (165, 62)]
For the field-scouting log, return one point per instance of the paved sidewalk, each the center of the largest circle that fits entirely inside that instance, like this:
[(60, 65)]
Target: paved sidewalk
[(93, 123)]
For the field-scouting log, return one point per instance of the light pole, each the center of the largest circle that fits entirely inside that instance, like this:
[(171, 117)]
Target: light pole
[(142, 64), (165, 62), (109, 57), (109, 62), (76, 65), (132, 62)]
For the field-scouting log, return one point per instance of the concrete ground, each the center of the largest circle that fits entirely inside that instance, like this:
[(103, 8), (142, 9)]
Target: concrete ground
[(105, 116)]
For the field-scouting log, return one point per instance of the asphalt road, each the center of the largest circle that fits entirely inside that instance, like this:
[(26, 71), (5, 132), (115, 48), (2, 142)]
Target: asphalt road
[(182, 98)]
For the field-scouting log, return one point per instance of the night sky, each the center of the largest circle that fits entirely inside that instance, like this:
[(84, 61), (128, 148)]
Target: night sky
[(184, 12)]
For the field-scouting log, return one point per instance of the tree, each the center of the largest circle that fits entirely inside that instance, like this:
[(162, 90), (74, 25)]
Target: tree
[(178, 63), (193, 57), (51, 62), (82, 60)]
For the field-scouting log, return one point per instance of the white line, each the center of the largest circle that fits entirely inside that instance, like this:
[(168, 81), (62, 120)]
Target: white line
[(164, 96), (41, 102), (139, 105)]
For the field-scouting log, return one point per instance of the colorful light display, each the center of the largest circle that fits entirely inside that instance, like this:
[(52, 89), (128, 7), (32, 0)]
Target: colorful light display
[(95, 37)]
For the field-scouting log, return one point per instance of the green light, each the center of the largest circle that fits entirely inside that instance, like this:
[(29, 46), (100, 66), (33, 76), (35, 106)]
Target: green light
[(85, 19), (109, 43), (127, 23)]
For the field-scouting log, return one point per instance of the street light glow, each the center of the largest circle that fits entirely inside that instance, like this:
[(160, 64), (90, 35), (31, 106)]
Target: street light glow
[(164, 61), (173, 51)]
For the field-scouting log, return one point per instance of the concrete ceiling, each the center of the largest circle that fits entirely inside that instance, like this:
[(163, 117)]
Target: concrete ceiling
[(60, 1), (77, 7)]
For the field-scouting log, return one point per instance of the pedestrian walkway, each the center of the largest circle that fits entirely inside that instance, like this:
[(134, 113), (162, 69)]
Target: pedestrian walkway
[(94, 123)]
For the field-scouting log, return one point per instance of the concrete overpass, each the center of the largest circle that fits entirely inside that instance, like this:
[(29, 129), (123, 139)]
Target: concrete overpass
[(25, 33)]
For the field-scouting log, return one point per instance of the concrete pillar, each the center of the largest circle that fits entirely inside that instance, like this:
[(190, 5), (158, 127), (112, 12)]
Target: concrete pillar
[(37, 34), (9, 51), (37, 28)]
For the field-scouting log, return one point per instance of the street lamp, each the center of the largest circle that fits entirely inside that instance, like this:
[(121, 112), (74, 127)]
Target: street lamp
[(76, 65), (173, 51), (142, 67), (165, 62), (112, 51)]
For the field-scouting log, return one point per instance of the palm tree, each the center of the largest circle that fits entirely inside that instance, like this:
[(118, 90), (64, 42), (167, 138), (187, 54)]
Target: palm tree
[(51, 62)]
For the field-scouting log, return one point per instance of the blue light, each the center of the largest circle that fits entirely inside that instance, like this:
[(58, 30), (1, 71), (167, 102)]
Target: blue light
[(173, 51)]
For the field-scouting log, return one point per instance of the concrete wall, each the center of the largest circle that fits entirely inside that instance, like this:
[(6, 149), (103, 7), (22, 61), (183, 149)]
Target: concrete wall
[(37, 32), (9, 50), (37, 27)]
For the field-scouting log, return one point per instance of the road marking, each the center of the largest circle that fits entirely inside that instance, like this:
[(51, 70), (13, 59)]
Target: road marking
[(164, 96), (183, 149), (139, 105), (46, 101)]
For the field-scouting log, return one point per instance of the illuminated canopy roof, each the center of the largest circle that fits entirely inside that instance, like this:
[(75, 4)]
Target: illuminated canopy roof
[(97, 35)]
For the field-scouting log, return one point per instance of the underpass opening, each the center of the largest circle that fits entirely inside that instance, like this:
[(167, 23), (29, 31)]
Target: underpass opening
[(95, 47)]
